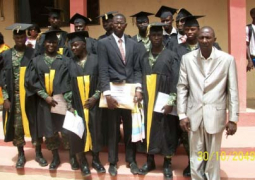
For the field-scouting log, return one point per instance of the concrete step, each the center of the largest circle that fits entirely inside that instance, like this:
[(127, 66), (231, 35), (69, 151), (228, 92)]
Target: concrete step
[(242, 141), (232, 167)]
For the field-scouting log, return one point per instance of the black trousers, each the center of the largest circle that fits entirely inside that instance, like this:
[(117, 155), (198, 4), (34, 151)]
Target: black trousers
[(114, 117)]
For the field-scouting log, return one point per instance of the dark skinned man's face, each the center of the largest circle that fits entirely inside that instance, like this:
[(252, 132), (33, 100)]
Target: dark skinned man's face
[(51, 46), (55, 21), (142, 24), (180, 25), (191, 32), (168, 21), (156, 38), (19, 40), (79, 27), (107, 24), (119, 26), (206, 39), (78, 47)]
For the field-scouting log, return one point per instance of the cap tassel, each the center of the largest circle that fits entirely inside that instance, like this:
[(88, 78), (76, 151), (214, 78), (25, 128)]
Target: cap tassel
[(148, 30), (106, 16), (17, 29)]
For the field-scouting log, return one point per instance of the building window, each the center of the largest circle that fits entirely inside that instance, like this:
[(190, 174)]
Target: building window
[(93, 11), (31, 11)]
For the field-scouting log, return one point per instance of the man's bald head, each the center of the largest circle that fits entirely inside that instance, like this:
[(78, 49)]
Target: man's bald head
[(119, 16), (207, 29)]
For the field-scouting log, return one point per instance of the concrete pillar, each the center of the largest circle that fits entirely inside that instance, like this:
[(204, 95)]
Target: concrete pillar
[(78, 6), (237, 44)]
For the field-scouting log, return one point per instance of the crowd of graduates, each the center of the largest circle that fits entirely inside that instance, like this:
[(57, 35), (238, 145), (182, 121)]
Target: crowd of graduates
[(81, 68)]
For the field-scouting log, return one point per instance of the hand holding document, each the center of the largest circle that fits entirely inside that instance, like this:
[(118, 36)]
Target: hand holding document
[(61, 106), (123, 94), (74, 123), (161, 101)]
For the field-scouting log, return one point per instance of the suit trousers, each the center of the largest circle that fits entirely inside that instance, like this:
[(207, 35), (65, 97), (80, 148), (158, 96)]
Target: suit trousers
[(114, 118), (205, 154)]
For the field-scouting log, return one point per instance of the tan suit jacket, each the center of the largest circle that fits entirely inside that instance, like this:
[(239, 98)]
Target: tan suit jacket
[(204, 97)]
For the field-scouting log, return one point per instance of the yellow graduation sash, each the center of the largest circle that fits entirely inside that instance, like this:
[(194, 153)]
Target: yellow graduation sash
[(1, 96), (84, 84), (5, 122), (49, 78), (22, 94), (151, 81)]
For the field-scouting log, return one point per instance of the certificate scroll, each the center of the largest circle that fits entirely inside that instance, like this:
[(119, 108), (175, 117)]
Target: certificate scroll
[(123, 93)]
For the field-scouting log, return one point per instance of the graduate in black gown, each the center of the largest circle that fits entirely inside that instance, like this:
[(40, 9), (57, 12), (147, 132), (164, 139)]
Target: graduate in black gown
[(180, 21), (160, 74), (78, 80), (40, 81), (107, 20), (142, 22), (55, 22), (169, 32), (80, 24), (19, 113)]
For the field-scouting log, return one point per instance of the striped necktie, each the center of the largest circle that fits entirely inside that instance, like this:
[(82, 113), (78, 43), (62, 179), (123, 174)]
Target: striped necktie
[(122, 50)]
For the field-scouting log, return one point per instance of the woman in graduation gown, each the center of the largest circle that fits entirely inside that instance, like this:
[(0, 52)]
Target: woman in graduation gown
[(40, 77), (78, 80), (160, 74)]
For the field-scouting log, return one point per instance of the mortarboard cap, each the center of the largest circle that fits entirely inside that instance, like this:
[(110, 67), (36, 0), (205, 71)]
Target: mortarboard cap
[(191, 21), (165, 11), (77, 36), (141, 15), (182, 13), (51, 34), (78, 18), (55, 12), (108, 15), (18, 28), (156, 26)]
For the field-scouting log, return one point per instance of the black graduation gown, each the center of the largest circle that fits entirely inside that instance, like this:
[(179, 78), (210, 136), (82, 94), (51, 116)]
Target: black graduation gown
[(162, 131), (7, 81), (67, 79), (170, 41), (39, 46), (47, 122)]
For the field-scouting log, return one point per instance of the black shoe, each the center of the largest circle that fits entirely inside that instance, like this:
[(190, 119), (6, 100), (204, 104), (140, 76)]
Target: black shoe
[(133, 168), (167, 170), (186, 171), (21, 161), (73, 162), (147, 167), (40, 159), (112, 170), (56, 160), (85, 171), (96, 164)]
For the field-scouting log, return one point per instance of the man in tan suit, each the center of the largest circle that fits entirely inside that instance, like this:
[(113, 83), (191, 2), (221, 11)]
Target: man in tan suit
[(207, 80)]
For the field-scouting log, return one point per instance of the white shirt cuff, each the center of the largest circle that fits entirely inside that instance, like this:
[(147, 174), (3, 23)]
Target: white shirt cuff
[(106, 93), (182, 116)]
